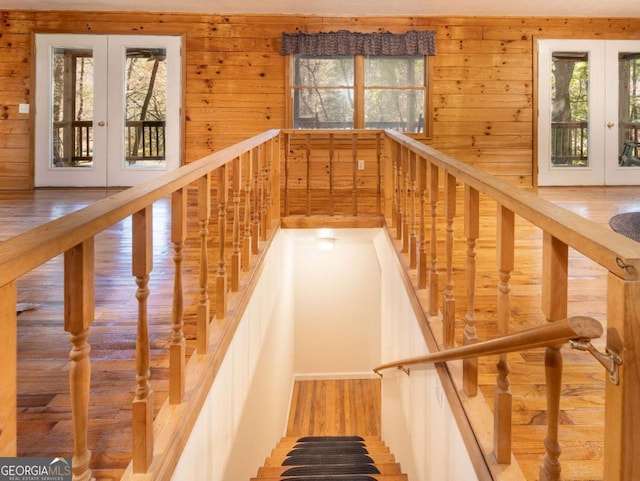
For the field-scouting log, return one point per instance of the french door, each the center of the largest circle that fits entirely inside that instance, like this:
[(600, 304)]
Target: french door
[(588, 112), (108, 109)]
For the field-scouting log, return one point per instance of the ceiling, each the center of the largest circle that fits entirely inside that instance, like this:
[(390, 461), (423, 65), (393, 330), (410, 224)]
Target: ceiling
[(544, 8)]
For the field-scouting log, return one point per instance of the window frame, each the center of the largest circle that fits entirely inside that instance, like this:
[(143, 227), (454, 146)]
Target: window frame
[(359, 91)]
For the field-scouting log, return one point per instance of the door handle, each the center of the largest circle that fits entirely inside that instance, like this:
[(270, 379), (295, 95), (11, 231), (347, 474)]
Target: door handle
[(101, 123), (610, 124)]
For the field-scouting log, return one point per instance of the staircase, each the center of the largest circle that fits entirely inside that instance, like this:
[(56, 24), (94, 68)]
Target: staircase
[(331, 458)]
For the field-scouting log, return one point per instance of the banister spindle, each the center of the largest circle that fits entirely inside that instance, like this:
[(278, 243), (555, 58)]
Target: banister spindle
[(412, 211), (287, 152), (555, 285), (266, 197), (235, 251), (79, 295), (204, 213), (379, 173), (177, 348), (331, 188), (142, 263), (433, 270), (354, 170), (308, 174), (449, 302), (397, 199), (247, 161), (264, 175), (406, 185), (255, 224), (503, 397), (422, 238), (470, 336), (221, 273)]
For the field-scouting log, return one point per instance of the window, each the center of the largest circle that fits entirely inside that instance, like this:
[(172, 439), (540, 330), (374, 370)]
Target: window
[(344, 80), (386, 92)]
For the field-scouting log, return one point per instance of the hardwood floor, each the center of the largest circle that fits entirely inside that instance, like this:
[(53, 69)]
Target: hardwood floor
[(43, 346), (335, 408)]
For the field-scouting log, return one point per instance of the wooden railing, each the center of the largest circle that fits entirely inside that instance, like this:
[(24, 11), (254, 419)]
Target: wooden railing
[(73, 141), (249, 172), (419, 181), (319, 175)]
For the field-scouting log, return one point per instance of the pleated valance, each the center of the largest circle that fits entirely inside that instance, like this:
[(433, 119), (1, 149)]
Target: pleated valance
[(343, 42)]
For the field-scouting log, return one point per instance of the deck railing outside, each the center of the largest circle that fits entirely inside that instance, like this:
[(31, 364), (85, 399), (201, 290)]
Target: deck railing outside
[(365, 176)]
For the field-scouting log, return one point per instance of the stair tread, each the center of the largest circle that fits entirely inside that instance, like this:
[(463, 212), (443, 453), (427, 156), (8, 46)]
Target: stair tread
[(382, 458), (377, 477), (276, 471)]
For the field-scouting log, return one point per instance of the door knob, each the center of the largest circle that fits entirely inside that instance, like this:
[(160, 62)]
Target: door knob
[(610, 124), (101, 123)]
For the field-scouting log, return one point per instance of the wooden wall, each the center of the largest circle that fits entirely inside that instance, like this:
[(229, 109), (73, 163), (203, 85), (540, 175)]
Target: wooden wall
[(483, 77)]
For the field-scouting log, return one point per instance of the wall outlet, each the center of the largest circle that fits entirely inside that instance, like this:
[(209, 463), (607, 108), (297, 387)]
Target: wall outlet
[(23, 108), (361, 165)]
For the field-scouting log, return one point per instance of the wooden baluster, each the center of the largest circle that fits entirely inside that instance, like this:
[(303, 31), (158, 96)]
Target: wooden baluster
[(422, 238), (405, 199), (331, 155), (8, 374), (471, 232), (264, 175), (449, 302), (204, 213), (397, 189), (79, 295), (502, 397), (379, 174), (354, 170), (221, 275), (287, 151), (308, 179), (177, 348), (267, 218), (433, 271), (255, 225), (555, 268), (247, 159), (274, 174), (413, 254), (389, 181), (235, 253), (621, 433), (142, 258)]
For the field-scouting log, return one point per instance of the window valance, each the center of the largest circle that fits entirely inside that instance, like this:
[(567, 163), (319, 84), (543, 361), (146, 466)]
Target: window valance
[(343, 42)]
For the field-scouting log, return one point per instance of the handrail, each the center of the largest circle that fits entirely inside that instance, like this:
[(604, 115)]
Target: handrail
[(26, 251), (577, 328), (609, 249)]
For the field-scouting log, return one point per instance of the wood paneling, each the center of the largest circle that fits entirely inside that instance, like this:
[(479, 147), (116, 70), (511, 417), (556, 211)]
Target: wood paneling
[(235, 79)]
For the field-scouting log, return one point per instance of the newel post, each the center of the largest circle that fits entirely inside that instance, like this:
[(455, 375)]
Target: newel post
[(555, 267), (78, 316), (622, 405), (9, 373)]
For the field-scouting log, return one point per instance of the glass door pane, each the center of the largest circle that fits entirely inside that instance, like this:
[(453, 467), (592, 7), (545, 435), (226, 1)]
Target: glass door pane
[(570, 109), (145, 106), (629, 109), (72, 107)]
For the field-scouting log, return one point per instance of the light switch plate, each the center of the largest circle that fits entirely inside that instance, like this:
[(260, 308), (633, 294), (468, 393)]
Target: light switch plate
[(23, 108)]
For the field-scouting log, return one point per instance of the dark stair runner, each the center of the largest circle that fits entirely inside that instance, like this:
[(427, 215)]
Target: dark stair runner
[(329, 458)]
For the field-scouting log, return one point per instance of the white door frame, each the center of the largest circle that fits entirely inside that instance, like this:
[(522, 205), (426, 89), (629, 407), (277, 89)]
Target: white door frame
[(108, 167)]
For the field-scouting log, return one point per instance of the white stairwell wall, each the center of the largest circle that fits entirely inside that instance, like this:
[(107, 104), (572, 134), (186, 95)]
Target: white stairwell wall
[(417, 423), (314, 315)]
